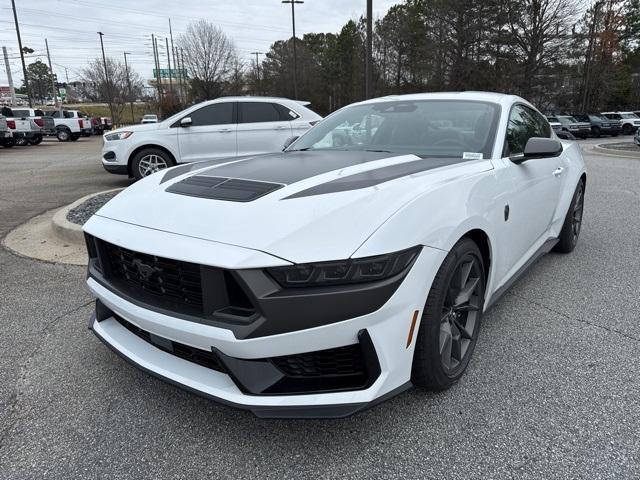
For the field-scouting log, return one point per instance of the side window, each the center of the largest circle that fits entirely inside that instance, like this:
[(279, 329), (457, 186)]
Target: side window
[(256, 112), (286, 114), (524, 123), (38, 113), (214, 114), (55, 114)]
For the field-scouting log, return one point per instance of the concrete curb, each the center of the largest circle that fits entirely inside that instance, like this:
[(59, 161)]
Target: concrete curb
[(615, 153), (69, 231)]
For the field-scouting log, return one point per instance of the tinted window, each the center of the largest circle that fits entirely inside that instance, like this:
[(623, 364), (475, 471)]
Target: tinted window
[(215, 114), (21, 113), (426, 128), (524, 124), (582, 118), (7, 112), (254, 112), (286, 114)]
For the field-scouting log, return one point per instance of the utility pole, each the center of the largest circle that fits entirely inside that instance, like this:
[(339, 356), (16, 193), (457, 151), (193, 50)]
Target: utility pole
[(259, 83), (184, 74), (169, 64), (106, 76), (126, 69), (173, 55), (53, 82), (24, 66), (295, 57), (157, 63), (12, 91), (368, 87)]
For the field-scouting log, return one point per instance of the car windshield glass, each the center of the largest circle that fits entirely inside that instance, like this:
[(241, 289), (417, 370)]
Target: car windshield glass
[(443, 128), (21, 113), (599, 117), (567, 119), (628, 116)]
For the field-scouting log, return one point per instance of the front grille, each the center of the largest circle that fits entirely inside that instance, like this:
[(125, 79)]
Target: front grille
[(170, 280), (195, 355), (336, 361)]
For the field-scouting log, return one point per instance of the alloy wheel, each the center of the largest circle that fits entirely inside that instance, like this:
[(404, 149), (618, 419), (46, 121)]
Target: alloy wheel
[(460, 313), (576, 215), (151, 164)]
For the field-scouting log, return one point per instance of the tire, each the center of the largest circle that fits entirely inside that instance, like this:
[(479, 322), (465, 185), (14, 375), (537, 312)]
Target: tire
[(595, 131), (627, 129), (22, 141), (445, 324), (570, 232), (36, 140), (63, 135), (9, 143), (74, 137), (614, 134), (150, 160)]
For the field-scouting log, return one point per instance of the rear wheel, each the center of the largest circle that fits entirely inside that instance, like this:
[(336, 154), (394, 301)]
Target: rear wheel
[(150, 160), (74, 137), (22, 141), (8, 143), (570, 232), (595, 131), (451, 319), (627, 129), (63, 135)]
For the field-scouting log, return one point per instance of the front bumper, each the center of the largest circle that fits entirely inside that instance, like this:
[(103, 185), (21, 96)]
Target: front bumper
[(385, 330)]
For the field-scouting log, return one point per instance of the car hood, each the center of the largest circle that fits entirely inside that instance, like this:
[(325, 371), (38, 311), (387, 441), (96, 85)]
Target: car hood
[(141, 127), (299, 206)]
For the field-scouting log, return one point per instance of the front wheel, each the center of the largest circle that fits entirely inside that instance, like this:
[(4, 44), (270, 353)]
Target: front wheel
[(451, 319), (150, 160), (37, 139), (595, 131), (570, 232), (627, 129)]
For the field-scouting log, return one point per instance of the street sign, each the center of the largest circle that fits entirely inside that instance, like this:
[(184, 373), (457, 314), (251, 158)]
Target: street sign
[(175, 73)]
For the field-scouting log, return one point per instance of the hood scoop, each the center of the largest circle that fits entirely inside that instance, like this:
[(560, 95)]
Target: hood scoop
[(221, 188)]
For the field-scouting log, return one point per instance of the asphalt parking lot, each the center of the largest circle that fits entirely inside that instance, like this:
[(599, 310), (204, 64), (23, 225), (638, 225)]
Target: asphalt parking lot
[(552, 391)]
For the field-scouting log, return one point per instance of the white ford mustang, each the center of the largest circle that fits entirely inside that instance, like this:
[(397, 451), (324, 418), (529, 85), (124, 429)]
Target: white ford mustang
[(321, 280)]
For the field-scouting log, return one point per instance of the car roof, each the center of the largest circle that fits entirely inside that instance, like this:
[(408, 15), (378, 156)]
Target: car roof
[(250, 98), (491, 97)]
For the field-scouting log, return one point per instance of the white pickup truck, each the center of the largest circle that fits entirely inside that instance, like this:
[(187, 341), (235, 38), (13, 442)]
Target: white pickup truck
[(6, 137), (69, 125), (24, 130), (45, 122)]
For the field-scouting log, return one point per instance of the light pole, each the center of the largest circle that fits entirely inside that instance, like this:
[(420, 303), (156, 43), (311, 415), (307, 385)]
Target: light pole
[(258, 70), (126, 69), (24, 66), (295, 58), (368, 66), (106, 76)]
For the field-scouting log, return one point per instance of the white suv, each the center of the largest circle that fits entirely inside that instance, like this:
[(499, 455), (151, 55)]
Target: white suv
[(221, 128), (629, 121)]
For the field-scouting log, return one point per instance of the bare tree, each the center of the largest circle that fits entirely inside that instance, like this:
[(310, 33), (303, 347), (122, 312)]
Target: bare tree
[(94, 85), (539, 30), (209, 56)]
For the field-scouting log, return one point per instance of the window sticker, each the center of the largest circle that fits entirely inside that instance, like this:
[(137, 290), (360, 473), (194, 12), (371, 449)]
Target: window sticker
[(472, 156)]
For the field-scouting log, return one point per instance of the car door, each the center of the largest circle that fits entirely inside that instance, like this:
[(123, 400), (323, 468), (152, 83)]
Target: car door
[(535, 185), (211, 133), (262, 128)]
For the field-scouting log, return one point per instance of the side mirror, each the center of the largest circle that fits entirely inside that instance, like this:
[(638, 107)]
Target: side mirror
[(539, 147), (289, 141), (186, 122)]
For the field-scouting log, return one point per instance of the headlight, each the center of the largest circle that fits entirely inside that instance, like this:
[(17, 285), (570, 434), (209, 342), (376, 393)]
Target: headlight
[(342, 272), (118, 136)]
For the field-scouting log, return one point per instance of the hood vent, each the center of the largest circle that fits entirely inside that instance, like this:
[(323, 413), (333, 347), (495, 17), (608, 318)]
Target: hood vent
[(220, 188)]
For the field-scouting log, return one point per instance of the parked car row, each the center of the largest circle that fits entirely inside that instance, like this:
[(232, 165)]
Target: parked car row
[(595, 124), (28, 126)]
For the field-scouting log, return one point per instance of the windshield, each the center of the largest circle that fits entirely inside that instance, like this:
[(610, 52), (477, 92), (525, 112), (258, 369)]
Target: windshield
[(567, 119), (442, 128), (21, 113), (628, 116), (149, 117)]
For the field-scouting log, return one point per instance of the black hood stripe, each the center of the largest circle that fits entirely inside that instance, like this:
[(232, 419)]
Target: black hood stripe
[(375, 177), (290, 167), (188, 167)]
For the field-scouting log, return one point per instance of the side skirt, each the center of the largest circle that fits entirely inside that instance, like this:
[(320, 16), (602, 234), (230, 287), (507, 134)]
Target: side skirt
[(544, 248)]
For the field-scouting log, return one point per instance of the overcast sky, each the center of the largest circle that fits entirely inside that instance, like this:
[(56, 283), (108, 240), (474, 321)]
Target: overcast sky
[(71, 25)]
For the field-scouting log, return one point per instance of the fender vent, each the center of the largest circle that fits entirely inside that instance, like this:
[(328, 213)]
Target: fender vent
[(219, 188)]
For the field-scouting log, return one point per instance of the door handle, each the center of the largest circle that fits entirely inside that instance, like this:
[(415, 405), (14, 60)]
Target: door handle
[(224, 130), (280, 127), (558, 171)]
